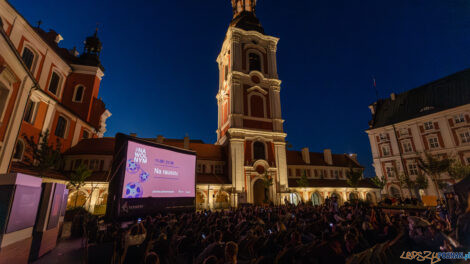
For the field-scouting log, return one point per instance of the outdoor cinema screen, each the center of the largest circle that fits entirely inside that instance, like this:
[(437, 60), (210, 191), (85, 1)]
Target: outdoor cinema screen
[(155, 172)]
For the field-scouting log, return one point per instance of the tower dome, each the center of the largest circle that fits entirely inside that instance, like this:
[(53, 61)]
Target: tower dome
[(244, 15)]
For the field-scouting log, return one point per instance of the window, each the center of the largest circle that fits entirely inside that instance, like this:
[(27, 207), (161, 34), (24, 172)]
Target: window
[(77, 163), (289, 172), (19, 149), (29, 114), (54, 84), (203, 168), (78, 94), (433, 142), (86, 134), (4, 92), (390, 171), (257, 105), (307, 172), (460, 118), (404, 132), (407, 147), (468, 160), (259, 151), (218, 169), (336, 174), (385, 150), (465, 136), (428, 126), (383, 136), (413, 168), (94, 165), (61, 127), (199, 168), (28, 58), (255, 62)]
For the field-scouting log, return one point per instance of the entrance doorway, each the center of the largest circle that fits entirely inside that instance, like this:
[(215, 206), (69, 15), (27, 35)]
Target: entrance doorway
[(259, 192), (316, 199)]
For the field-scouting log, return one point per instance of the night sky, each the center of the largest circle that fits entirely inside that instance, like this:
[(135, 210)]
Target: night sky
[(161, 75)]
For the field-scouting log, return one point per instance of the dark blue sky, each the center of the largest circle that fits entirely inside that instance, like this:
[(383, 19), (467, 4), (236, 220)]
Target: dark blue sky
[(161, 74)]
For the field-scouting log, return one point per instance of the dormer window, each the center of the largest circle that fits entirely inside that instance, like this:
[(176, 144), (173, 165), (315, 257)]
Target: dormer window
[(383, 136), (54, 84), (28, 58), (459, 119), (428, 126), (78, 94)]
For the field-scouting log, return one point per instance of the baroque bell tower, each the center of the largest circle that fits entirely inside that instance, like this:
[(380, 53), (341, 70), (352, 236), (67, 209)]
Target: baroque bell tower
[(249, 106)]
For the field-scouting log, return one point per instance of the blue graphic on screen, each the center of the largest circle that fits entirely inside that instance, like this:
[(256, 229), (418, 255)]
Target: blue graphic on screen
[(133, 190)]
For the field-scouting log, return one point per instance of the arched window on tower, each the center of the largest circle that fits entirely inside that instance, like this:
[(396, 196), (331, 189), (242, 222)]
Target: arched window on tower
[(255, 62), (257, 106), (259, 151)]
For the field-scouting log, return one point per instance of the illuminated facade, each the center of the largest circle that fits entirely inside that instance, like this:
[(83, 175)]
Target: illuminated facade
[(433, 118), (46, 88)]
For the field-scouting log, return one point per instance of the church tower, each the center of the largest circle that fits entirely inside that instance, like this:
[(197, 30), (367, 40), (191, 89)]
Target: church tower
[(249, 107)]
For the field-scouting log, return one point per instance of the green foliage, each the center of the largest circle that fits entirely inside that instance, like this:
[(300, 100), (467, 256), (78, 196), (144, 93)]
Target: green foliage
[(406, 182), (42, 156), (458, 170), (434, 167), (303, 181), (267, 180), (421, 182), (353, 177), (379, 182), (78, 177)]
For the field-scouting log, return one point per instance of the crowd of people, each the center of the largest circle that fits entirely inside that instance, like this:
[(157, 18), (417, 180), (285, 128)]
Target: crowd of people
[(329, 233)]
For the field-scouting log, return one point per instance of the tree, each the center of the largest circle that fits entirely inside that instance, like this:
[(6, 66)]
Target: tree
[(303, 181), (379, 182), (353, 177), (267, 182), (421, 182), (406, 182), (77, 179), (434, 167), (459, 171), (42, 156)]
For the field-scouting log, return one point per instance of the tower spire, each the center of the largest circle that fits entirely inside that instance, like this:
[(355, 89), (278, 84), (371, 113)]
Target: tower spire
[(240, 6)]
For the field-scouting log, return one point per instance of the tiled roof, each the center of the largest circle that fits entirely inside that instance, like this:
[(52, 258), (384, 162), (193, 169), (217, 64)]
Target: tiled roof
[(93, 146), (96, 176), (105, 146), (317, 159), (323, 183), (442, 94)]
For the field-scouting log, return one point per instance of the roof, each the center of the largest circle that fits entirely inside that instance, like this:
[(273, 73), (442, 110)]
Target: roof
[(318, 159), (105, 146), (445, 93), (333, 183), (93, 146), (247, 21), (96, 176)]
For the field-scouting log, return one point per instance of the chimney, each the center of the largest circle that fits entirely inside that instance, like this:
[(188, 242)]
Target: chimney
[(133, 134), (353, 156), (58, 38), (372, 109), (186, 141), (160, 139), (306, 155), (393, 96), (327, 156)]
